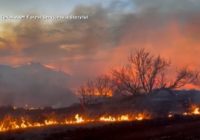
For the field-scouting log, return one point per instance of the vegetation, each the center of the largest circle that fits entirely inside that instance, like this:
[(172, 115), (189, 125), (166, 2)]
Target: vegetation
[(143, 74)]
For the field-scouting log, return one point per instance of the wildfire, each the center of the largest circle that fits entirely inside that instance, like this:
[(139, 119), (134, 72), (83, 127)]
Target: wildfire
[(11, 123), (195, 110), (114, 119), (106, 93), (126, 117), (79, 119), (141, 116)]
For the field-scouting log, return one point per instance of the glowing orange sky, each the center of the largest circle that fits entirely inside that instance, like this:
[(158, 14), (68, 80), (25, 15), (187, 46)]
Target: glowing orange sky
[(87, 49)]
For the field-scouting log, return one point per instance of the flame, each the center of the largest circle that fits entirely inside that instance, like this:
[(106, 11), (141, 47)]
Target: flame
[(126, 117), (140, 117), (50, 122), (195, 110), (107, 119), (11, 123), (79, 119), (107, 93), (115, 119), (170, 115)]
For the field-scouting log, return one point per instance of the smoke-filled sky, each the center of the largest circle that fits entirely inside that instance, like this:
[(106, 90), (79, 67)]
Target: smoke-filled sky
[(86, 48)]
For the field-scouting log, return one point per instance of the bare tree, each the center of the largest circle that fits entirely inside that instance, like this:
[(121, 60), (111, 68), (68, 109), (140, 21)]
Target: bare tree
[(85, 93), (148, 68), (95, 90), (125, 81), (184, 76), (143, 74), (103, 86)]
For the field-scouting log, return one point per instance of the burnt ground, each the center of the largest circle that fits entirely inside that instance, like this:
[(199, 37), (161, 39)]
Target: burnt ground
[(177, 128)]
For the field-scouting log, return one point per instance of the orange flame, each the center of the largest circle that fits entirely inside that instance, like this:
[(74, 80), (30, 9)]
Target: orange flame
[(11, 123), (114, 119), (195, 110), (140, 117)]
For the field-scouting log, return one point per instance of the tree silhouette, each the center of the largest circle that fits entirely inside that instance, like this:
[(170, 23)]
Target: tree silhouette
[(143, 74), (148, 68), (95, 90)]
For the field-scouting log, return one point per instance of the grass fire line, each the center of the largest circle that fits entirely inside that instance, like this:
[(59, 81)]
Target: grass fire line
[(9, 123)]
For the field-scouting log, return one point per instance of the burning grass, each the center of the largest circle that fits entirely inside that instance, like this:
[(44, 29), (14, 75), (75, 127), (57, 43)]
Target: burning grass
[(193, 111), (11, 123)]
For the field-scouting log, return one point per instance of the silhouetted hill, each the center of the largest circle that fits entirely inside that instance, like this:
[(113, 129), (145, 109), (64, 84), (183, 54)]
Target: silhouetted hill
[(34, 85)]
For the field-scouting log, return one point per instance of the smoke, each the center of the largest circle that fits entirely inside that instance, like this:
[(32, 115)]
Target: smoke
[(91, 47), (34, 85)]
